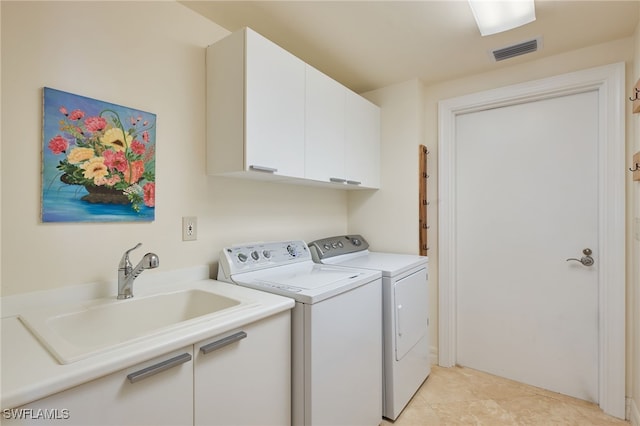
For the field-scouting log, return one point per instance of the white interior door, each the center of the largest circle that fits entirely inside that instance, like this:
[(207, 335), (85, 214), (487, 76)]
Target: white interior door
[(527, 200)]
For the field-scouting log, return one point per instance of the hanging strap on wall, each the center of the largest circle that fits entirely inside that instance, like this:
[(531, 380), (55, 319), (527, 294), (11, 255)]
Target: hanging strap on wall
[(423, 201)]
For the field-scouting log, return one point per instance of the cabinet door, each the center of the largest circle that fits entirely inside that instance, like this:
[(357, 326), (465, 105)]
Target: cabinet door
[(245, 379), (161, 394), (362, 142), (274, 108), (324, 128)]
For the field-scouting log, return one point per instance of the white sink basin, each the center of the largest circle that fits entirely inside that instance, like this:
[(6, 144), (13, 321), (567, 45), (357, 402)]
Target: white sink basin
[(75, 332)]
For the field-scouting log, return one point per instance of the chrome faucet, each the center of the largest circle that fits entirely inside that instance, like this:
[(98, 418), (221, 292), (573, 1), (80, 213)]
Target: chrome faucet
[(127, 273)]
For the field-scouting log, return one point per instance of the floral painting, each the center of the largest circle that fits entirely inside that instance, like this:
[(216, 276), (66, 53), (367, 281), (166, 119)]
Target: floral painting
[(98, 161)]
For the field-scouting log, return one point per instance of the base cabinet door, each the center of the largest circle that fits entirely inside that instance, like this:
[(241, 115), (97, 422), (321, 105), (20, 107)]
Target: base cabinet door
[(244, 377), (156, 392)]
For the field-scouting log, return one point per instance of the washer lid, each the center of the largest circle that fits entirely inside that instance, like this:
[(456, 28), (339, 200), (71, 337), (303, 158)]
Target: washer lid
[(390, 264), (306, 282)]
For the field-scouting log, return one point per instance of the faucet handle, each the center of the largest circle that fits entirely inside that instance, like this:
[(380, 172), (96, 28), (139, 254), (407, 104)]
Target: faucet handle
[(133, 248), (125, 257)]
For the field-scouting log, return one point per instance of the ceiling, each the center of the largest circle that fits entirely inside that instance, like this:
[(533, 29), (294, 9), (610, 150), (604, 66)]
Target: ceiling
[(367, 45)]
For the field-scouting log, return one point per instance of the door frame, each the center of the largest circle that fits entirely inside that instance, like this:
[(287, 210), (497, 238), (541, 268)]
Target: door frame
[(608, 81)]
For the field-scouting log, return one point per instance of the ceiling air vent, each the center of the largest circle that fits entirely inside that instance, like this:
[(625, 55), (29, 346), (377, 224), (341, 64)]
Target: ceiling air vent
[(523, 48)]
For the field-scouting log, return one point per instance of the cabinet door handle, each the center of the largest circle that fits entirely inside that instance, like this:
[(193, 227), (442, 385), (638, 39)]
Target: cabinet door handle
[(213, 346), (354, 182), (158, 368), (337, 180), (263, 169)]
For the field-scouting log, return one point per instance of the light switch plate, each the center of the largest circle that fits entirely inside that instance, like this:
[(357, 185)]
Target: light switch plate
[(637, 228), (189, 228)]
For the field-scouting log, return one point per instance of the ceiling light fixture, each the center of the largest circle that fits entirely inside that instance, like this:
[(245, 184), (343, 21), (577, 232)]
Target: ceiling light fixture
[(494, 16)]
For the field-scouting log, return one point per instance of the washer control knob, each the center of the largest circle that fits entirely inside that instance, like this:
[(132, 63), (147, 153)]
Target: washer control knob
[(340, 244), (327, 246), (293, 252), (255, 255), (242, 257), (334, 245), (266, 254), (356, 242)]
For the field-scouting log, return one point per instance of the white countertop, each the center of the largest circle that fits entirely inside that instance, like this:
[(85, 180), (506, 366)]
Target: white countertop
[(29, 372)]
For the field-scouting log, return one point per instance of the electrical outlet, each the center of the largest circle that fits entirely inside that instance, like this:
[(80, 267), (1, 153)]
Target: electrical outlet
[(189, 228)]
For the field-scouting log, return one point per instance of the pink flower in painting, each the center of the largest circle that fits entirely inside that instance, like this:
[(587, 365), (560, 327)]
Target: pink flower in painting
[(95, 124), (137, 147), (76, 114), (58, 145), (149, 194), (63, 110), (133, 121), (135, 172), (115, 160), (145, 136), (100, 181)]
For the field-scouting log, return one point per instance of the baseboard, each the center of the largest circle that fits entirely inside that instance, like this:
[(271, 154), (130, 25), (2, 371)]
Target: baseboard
[(433, 354), (634, 416)]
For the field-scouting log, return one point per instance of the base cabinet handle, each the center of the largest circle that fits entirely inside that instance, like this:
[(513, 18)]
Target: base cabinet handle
[(354, 182), (213, 346), (337, 180), (158, 368)]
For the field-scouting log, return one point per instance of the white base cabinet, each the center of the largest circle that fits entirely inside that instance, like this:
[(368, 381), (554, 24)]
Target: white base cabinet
[(164, 398), (248, 381), (239, 378)]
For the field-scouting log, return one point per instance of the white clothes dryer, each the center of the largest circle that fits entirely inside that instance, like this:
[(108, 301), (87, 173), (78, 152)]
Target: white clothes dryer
[(406, 363), (336, 329)]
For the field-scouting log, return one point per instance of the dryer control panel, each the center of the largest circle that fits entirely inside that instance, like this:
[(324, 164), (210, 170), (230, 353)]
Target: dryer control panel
[(254, 256), (335, 246)]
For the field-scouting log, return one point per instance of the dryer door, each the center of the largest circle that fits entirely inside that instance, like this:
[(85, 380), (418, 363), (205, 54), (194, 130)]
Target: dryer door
[(410, 294)]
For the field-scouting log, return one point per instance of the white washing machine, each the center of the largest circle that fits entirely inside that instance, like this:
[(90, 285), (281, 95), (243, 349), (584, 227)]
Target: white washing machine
[(336, 329), (406, 363)]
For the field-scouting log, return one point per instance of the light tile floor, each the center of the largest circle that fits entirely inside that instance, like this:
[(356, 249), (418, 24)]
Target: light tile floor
[(462, 396)]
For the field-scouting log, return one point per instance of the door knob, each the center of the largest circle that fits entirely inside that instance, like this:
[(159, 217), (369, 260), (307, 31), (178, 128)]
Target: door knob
[(586, 260)]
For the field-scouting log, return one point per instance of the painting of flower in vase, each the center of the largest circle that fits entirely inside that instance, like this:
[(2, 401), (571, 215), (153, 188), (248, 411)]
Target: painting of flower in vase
[(98, 161)]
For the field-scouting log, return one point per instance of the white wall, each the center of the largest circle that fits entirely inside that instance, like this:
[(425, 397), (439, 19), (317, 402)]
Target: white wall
[(388, 218), (148, 55)]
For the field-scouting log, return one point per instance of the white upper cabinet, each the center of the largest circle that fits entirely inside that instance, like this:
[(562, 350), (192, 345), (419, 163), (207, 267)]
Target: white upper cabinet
[(342, 134), (255, 107), (274, 102), (271, 116), (362, 141), (324, 128)]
